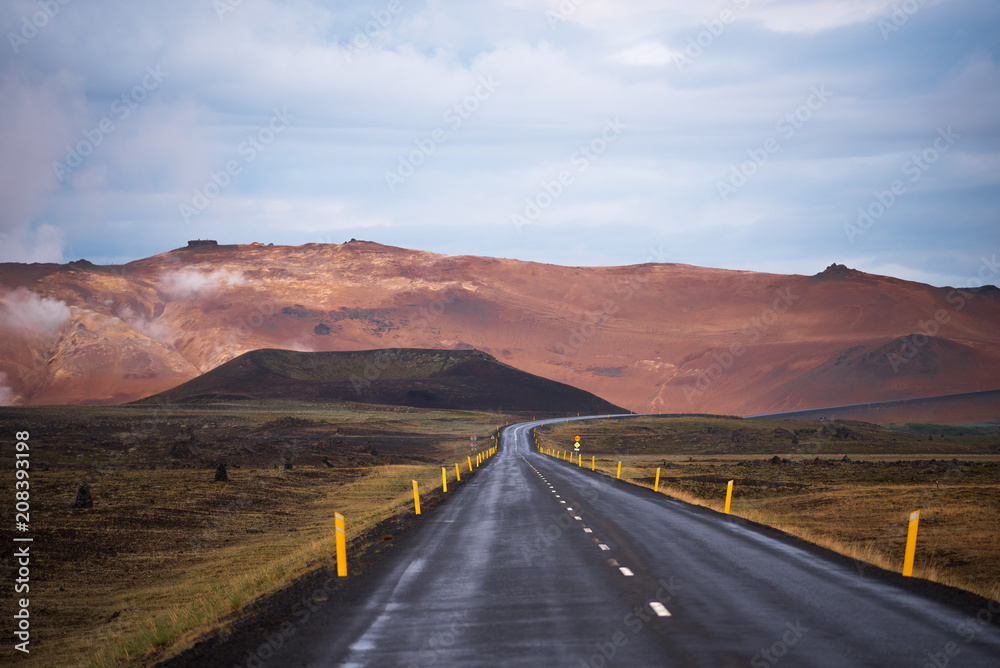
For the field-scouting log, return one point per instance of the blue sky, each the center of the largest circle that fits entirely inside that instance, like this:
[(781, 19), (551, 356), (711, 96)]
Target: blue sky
[(748, 134)]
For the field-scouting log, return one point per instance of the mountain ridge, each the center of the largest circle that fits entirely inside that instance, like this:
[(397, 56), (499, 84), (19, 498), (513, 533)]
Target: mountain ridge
[(652, 337)]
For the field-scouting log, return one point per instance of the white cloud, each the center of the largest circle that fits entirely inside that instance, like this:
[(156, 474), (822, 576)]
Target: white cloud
[(190, 282), (649, 54), (23, 309), (42, 243), (39, 116), (354, 118), (8, 397)]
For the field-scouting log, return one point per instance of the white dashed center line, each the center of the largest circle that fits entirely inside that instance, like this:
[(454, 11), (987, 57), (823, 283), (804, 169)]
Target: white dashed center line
[(603, 546), (626, 572), (659, 609), (586, 530)]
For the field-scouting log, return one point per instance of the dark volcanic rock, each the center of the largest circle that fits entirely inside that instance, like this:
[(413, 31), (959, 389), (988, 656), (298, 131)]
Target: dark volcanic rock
[(84, 498)]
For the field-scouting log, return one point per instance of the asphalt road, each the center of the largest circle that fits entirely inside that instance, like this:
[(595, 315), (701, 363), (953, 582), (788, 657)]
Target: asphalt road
[(537, 562)]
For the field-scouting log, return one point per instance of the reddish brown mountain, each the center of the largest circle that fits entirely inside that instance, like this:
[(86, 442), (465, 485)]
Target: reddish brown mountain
[(653, 337)]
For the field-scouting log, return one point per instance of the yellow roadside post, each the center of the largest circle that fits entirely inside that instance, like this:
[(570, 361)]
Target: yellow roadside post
[(416, 498), (729, 495), (592, 463), (911, 544), (656, 485), (619, 470), (470, 463), (338, 521), (579, 460), (458, 473), (444, 479)]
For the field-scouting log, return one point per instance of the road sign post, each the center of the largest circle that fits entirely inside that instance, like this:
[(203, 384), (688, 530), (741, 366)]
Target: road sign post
[(338, 522), (911, 544)]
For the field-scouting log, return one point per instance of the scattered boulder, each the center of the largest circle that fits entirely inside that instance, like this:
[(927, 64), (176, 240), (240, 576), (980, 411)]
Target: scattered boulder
[(288, 463), (221, 475), (84, 498), (326, 460)]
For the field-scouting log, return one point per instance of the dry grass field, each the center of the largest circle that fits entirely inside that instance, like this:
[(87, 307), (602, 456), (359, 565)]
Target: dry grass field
[(848, 486), (167, 554)]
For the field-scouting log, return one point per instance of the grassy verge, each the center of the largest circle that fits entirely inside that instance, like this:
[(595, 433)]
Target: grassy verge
[(850, 495), (197, 597), (167, 554)]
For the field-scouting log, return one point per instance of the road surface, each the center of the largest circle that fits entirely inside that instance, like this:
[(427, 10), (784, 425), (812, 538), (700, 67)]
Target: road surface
[(537, 562)]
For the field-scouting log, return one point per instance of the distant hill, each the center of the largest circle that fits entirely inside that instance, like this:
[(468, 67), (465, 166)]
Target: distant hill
[(970, 408), (423, 378)]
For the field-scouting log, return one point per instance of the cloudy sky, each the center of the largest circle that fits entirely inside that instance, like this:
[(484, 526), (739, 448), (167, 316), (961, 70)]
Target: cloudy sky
[(773, 135)]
